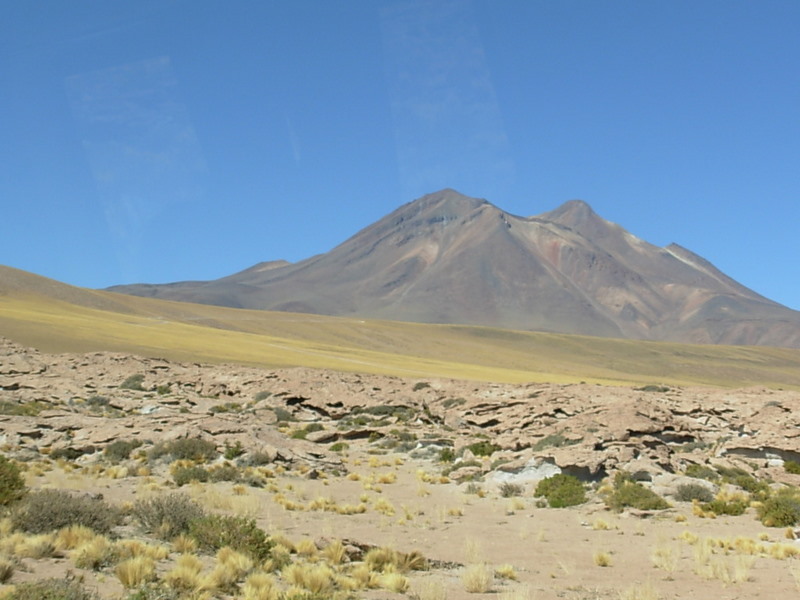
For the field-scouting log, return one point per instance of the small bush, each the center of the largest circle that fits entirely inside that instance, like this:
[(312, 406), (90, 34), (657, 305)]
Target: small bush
[(693, 491), (225, 472), (483, 448), (792, 467), (213, 532), (781, 510), (120, 450), (51, 589), (510, 490), (47, 510), (561, 490), (167, 516), (263, 395), (184, 475), (339, 447), (134, 382), (733, 507), (281, 414), (12, 484), (97, 402), (186, 449), (258, 459), (632, 494), (421, 385), (233, 451)]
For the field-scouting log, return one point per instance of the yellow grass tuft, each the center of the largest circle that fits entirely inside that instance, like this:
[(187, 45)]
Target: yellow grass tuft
[(364, 576), (93, 553), (383, 506), (665, 557), (184, 544), (185, 575), (36, 546), (506, 572), (602, 558), (334, 552), (7, 567), (430, 589), (386, 478), (306, 547), (260, 586), (136, 571), (394, 582), (69, 538), (641, 591)]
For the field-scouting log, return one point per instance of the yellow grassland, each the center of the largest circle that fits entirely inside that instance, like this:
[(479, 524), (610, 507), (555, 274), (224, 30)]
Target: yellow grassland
[(61, 318)]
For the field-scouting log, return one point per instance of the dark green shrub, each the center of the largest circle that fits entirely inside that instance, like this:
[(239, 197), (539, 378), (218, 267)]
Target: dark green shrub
[(134, 382), (702, 472), (780, 510), (12, 484), (730, 473), (555, 440), (447, 455), (750, 484), (258, 459), (167, 516), (632, 494), (22, 409), (213, 532), (421, 385), (281, 414), (46, 510), (792, 467), (734, 507), (51, 589), (183, 475), (227, 407), (97, 401), (67, 453), (653, 388), (561, 490), (339, 447), (688, 492), (509, 490), (163, 389), (263, 395), (120, 450), (483, 448)]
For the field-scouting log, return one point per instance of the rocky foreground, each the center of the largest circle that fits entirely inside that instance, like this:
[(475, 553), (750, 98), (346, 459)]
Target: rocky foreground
[(454, 448)]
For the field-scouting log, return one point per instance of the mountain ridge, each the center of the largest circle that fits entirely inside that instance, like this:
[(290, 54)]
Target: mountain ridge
[(450, 258)]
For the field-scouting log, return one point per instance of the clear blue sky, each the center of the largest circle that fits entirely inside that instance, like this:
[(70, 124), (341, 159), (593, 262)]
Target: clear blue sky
[(155, 140)]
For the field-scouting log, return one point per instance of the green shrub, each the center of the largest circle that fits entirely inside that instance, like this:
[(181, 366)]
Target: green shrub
[(339, 447), (281, 414), (183, 475), (51, 589), (561, 490), (119, 450), (22, 409), (167, 516), (688, 492), (750, 484), (134, 382), (653, 388), (233, 451), (46, 510), (780, 510), (213, 532), (483, 448), (163, 389), (186, 449), (702, 472), (555, 440), (792, 467), (726, 507), (97, 401), (227, 407), (258, 459), (421, 385), (632, 494), (12, 484), (263, 395)]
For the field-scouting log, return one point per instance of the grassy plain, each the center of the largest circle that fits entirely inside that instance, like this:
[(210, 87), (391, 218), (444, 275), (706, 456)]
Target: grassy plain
[(55, 317)]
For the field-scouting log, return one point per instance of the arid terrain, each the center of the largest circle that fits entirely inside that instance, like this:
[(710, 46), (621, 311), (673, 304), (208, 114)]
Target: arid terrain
[(376, 486)]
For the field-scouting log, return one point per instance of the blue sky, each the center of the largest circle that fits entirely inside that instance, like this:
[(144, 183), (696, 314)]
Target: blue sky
[(155, 141)]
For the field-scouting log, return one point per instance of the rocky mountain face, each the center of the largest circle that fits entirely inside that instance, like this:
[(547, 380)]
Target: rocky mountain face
[(448, 258)]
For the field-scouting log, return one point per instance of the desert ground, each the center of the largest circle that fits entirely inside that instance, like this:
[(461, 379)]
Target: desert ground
[(374, 486)]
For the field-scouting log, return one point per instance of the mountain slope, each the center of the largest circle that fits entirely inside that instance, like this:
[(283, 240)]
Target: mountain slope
[(448, 258)]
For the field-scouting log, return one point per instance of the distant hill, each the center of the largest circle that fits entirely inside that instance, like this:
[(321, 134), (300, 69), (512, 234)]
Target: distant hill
[(448, 258)]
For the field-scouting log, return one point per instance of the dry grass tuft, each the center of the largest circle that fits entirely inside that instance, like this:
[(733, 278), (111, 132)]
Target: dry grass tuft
[(477, 578), (641, 591), (394, 582)]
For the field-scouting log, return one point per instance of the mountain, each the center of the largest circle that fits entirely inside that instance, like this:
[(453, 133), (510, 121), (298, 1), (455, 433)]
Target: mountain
[(449, 258)]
